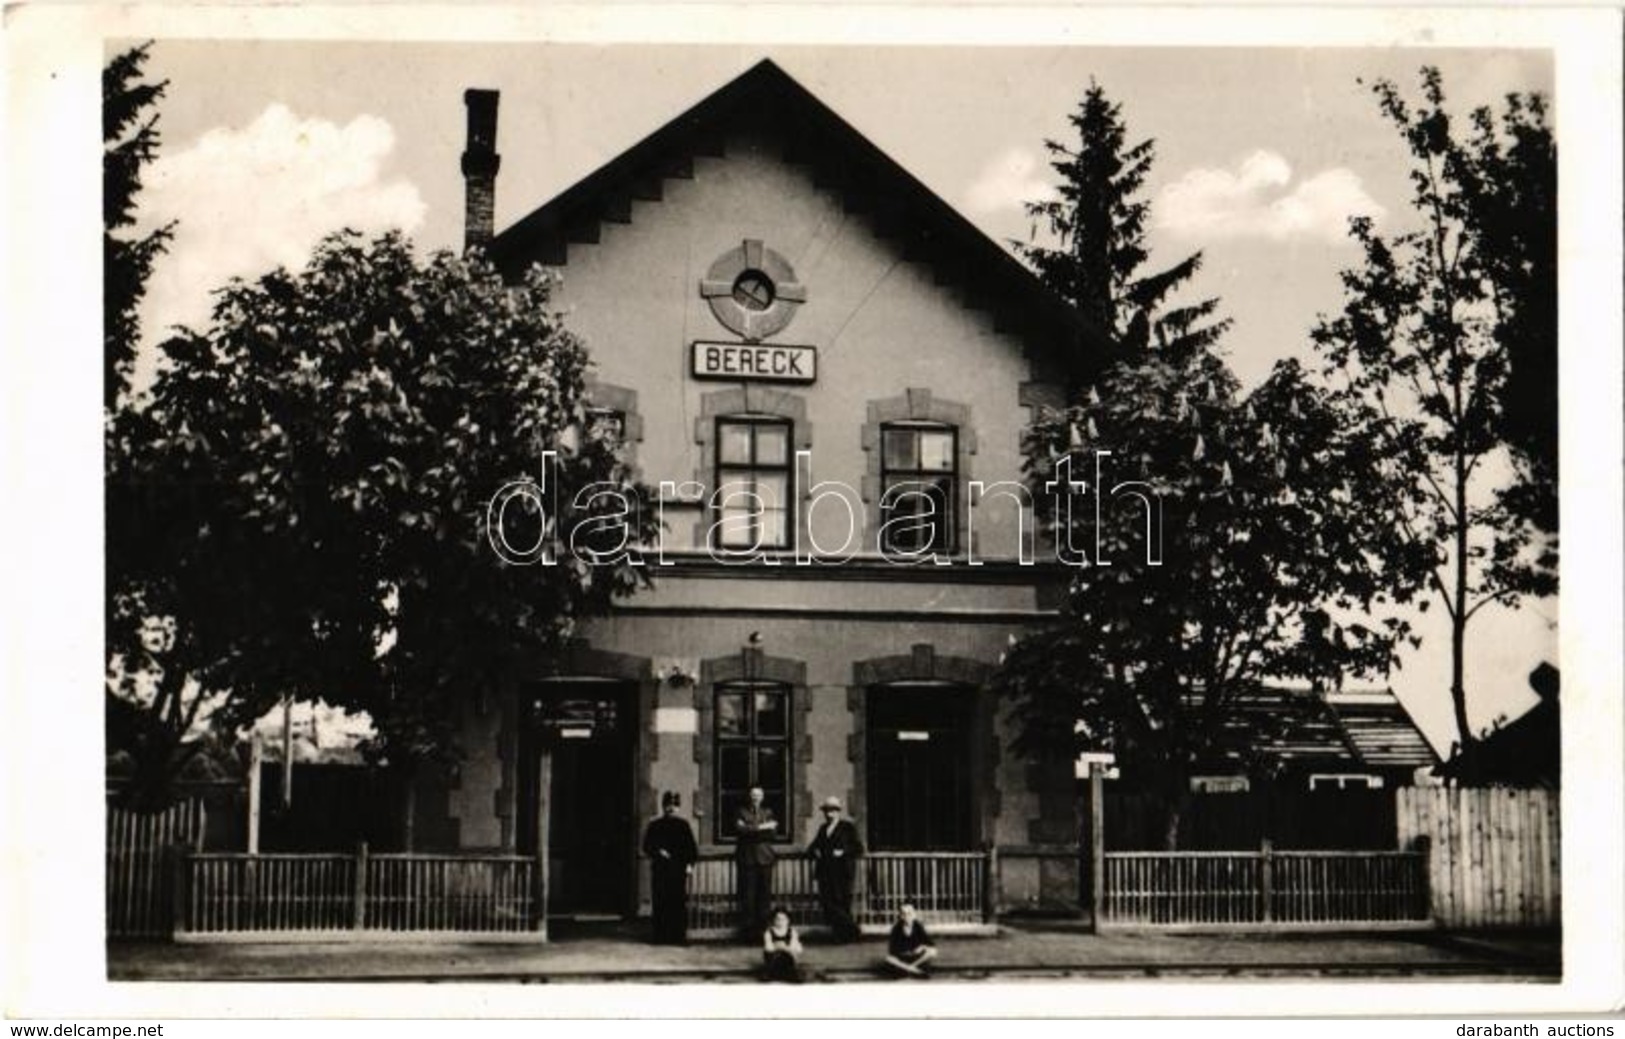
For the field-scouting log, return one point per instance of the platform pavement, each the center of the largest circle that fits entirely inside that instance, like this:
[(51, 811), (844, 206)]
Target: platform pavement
[(1014, 952)]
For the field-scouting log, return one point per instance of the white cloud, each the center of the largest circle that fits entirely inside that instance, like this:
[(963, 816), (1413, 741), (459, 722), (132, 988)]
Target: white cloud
[(1259, 199), (251, 198), (1013, 177)]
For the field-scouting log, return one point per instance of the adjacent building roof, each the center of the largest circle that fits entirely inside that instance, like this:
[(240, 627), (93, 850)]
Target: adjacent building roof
[(1274, 728), (898, 206), (1526, 751)]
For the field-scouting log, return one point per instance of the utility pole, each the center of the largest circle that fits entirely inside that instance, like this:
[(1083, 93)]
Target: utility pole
[(1097, 843), (287, 752), (544, 811), (256, 760)]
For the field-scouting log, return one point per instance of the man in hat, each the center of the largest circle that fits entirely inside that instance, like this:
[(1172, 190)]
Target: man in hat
[(669, 843), (835, 850)]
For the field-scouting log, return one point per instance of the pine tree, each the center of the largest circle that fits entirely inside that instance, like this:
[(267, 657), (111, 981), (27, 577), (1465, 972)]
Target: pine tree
[(130, 141), (1099, 226)]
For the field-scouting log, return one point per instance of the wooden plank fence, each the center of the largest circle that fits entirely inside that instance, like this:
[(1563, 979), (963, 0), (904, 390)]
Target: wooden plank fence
[(316, 897), (138, 880), (1494, 854), (1265, 888), (949, 889)]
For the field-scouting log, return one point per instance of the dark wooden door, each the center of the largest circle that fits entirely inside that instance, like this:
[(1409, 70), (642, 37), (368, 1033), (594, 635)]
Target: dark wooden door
[(590, 811), (919, 769)]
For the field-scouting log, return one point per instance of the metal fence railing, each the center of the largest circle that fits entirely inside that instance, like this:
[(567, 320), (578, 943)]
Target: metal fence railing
[(240, 896), (1265, 887), (948, 888)]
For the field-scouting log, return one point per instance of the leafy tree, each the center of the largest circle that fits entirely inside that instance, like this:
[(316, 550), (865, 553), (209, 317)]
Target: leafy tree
[(1509, 186), (1426, 336), (1272, 531), (129, 143), (1099, 225), (315, 482)]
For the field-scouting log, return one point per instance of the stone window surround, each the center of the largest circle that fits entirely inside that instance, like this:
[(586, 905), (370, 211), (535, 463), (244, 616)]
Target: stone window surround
[(750, 664), (960, 676), (750, 399), (917, 404), (611, 397)]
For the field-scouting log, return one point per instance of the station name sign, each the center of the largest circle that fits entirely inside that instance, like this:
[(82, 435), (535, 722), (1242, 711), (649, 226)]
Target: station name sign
[(755, 361)]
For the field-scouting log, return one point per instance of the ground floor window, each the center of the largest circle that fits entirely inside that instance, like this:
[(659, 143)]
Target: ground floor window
[(753, 748)]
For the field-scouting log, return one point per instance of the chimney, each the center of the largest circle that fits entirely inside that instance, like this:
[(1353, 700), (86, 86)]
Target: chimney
[(480, 163)]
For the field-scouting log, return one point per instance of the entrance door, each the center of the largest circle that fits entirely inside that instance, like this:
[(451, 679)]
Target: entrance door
[(590, 808), (920, 768)]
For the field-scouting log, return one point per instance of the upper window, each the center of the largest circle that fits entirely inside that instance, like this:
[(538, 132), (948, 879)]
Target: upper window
[(918, 478), (752, 749), (753, 484)]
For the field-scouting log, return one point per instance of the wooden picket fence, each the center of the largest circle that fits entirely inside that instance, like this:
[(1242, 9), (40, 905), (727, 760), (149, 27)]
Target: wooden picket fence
[(1494, 854), (949, 889), (320, 897), (138, 875), (1265, 888)]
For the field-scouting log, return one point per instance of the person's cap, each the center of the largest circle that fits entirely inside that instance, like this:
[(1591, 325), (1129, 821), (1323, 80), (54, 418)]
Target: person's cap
[(670, 798), (831, 802)]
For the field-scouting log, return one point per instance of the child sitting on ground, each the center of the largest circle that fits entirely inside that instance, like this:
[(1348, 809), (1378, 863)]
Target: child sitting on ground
[(781, 950), (909, 949)]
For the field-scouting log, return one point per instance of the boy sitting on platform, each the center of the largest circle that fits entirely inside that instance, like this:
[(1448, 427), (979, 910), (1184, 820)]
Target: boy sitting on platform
[(909, 948)]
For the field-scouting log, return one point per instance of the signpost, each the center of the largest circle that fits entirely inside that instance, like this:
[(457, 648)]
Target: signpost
[(1096, 764)]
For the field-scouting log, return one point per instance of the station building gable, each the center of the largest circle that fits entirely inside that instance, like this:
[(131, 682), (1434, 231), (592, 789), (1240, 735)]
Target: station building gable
[(755, 280)]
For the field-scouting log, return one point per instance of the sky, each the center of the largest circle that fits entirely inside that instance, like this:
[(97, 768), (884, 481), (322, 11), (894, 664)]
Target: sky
[(1262, 155)]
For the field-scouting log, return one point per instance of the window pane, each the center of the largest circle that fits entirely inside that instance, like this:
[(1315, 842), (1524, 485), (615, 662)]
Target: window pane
[(737, 493), (774, 533), (736, 528), (733, 443), (770, 771), (733, 767), (731, 715), (771, 490), (781, 814), (937, 451), (728, 805), (772, 445), (769, 713), (602, 422), (910, 497), (900, 449), (916, 513)]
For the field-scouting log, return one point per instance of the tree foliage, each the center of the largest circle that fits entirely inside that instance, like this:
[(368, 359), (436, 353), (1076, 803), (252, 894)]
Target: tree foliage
[(1278, 556), (1509, 184), (149, 712), (310, 498), (1435, 319), (129, 143), (1098, 225)]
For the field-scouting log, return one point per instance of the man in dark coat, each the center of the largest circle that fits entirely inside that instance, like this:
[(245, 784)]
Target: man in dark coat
[(835, 851), (669, 843), (753, 862)]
